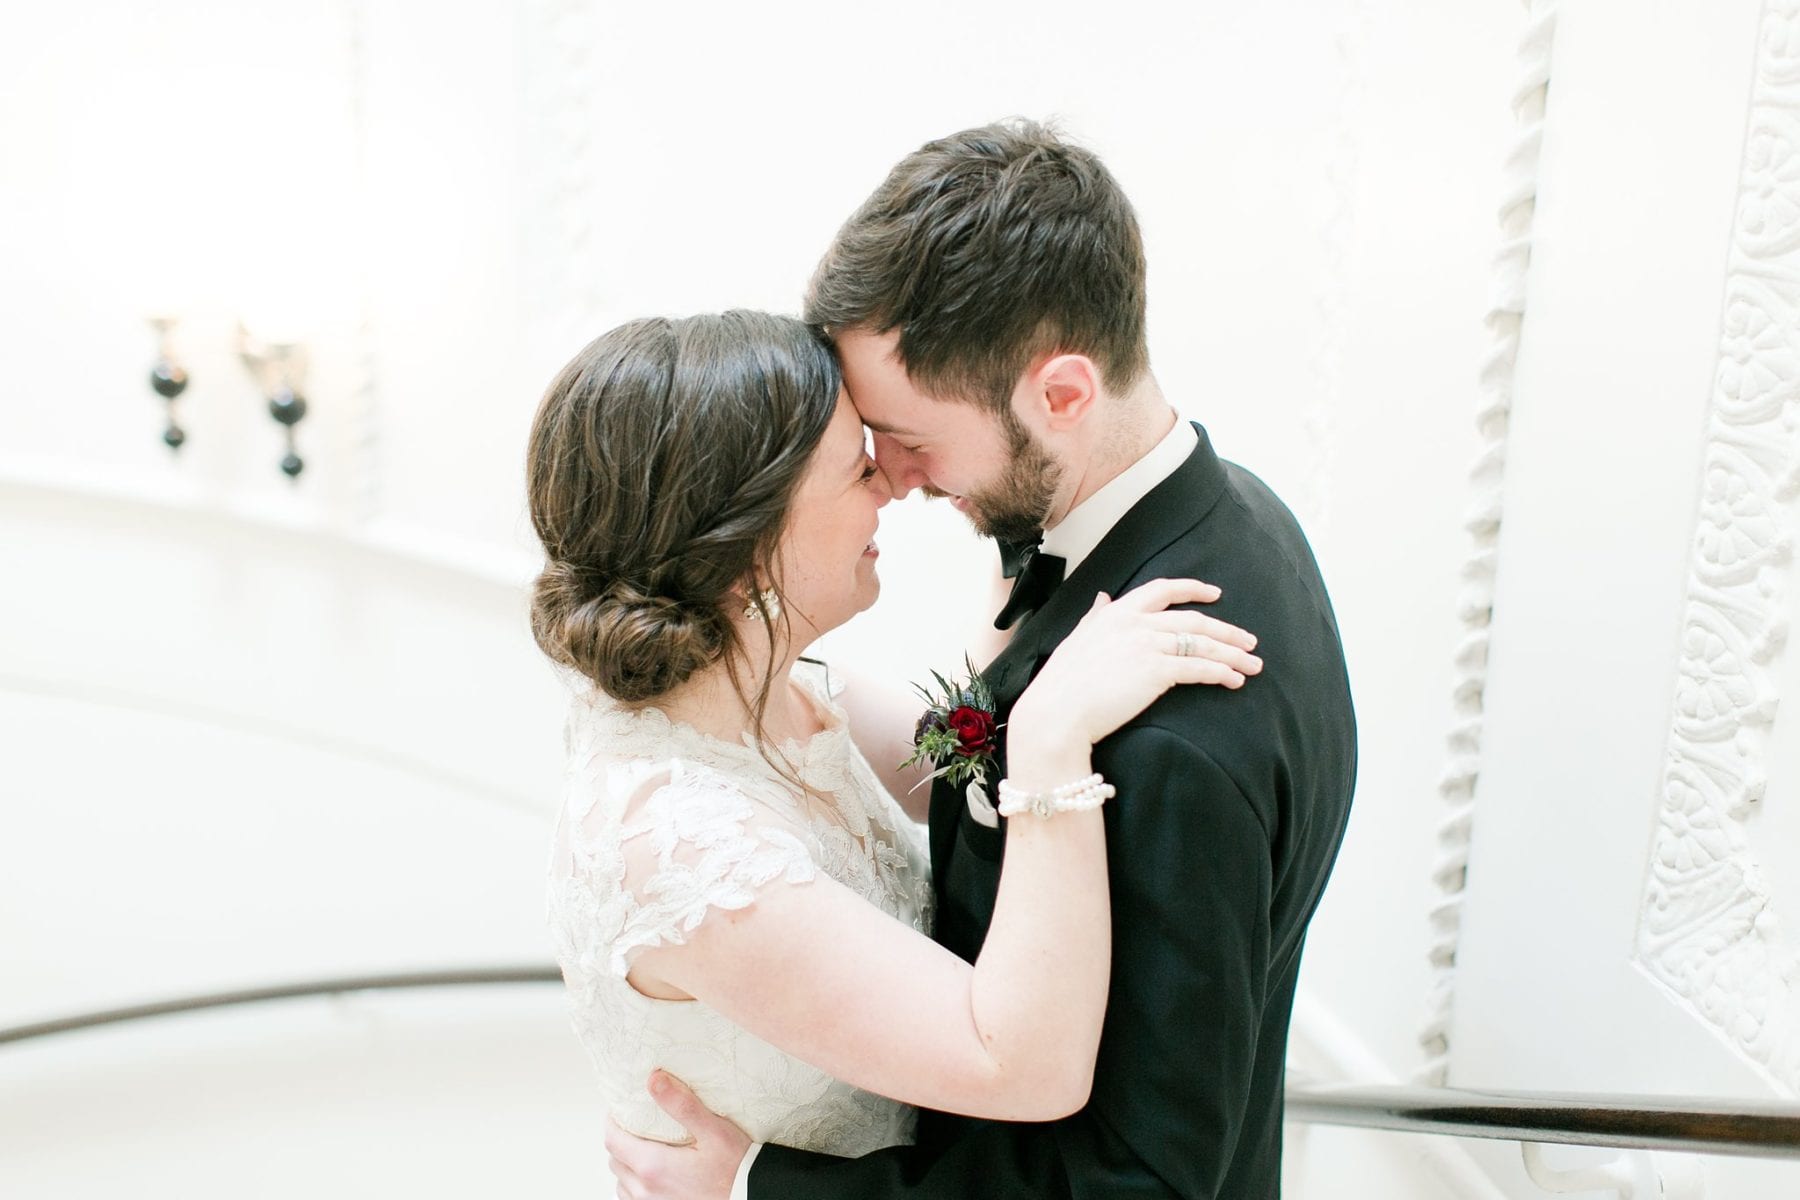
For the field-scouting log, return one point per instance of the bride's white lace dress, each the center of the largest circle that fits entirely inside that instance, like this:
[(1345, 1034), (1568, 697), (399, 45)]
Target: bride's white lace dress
[(661, 828)]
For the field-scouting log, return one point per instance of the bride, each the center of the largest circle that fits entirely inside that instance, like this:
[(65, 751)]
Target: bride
[(737, 898)]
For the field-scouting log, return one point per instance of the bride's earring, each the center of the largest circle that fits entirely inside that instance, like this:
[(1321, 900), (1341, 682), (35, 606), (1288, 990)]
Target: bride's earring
[(771, 604)]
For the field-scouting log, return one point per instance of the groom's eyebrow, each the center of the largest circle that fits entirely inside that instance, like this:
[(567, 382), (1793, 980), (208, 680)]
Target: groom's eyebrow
[(890, 430)]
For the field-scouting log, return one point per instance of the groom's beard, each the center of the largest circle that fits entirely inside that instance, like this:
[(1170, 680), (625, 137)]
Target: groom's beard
[(1013, 507)]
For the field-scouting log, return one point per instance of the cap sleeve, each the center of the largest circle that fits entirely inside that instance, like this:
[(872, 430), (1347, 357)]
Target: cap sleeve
[(693, 843)]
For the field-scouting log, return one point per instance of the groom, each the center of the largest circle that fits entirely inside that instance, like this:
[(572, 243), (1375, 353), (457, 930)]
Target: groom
[(988, 305)]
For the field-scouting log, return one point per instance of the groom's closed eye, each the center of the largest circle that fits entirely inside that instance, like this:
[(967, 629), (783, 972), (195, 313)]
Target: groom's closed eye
[(899, 437)]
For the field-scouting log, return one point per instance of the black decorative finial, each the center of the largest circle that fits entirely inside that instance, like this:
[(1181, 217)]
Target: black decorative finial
[(168, 378), (287, 406), (279, 367)]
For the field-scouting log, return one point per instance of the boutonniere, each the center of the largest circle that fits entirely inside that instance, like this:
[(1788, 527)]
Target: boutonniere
[(957, 734)]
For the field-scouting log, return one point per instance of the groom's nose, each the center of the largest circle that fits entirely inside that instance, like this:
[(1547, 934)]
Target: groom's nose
[(887, 491), (901, 468)]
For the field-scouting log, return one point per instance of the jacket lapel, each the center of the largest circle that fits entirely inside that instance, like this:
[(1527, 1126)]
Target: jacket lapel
[(1164, 515)]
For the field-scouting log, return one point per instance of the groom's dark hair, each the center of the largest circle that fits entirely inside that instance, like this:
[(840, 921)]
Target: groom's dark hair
[(986, 250)]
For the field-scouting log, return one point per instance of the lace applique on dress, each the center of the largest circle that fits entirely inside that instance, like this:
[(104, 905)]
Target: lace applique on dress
[(662, 825), (712, 848)]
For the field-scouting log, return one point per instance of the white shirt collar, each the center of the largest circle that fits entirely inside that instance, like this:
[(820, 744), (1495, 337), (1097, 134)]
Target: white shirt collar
[(1076, 535)]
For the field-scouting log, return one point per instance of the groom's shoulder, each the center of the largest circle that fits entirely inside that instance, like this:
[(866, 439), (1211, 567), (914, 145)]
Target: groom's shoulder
[(1249, 500), (1247, 541), (1252, 546)]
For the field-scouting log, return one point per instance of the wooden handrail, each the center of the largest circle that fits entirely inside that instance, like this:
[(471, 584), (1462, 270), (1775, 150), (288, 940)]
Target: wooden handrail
[(1695, 1125)]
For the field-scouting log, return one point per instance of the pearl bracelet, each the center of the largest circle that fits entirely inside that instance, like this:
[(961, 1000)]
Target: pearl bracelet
[(1079, 796)]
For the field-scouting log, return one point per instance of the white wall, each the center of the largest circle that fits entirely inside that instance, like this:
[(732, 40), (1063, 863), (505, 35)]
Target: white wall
[(449, 202)]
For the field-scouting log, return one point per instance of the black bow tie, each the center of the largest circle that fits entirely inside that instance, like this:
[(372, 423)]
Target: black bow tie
[(1038, 576), (1013, 555)]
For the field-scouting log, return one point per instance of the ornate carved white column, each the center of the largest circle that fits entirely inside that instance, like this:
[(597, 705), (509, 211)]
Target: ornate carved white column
[(1709, 932), (1504, 318)]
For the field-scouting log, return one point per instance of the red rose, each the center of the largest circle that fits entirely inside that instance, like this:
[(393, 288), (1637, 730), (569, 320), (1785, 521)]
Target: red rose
[(974, 731)]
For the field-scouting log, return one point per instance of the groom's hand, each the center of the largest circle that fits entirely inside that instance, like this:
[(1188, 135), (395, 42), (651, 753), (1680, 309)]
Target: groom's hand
[(704, 1169)]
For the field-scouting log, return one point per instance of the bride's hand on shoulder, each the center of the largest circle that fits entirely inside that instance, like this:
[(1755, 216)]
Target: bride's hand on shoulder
[(1127, 652)]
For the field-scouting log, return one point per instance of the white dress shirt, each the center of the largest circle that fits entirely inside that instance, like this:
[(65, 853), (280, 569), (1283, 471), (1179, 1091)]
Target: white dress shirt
[(1075, 536)]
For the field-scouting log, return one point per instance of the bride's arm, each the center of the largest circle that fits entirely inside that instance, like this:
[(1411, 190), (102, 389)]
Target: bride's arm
[(884, 715), (826, 976)]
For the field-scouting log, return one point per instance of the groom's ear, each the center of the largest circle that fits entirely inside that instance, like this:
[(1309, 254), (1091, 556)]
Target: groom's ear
[(1069, 385)]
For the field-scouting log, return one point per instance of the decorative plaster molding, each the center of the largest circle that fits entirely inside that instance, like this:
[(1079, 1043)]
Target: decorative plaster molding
[(1708, 932), (1504, 318)]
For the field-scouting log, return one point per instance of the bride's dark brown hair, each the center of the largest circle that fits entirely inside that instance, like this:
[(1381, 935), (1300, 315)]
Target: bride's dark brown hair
[(661, 465)]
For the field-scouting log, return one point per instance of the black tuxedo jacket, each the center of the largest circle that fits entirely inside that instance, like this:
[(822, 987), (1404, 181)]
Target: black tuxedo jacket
[(1230, 809)]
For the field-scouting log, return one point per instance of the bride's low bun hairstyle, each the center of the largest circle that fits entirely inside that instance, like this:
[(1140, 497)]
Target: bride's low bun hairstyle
[(634, 645), (661, 464)]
